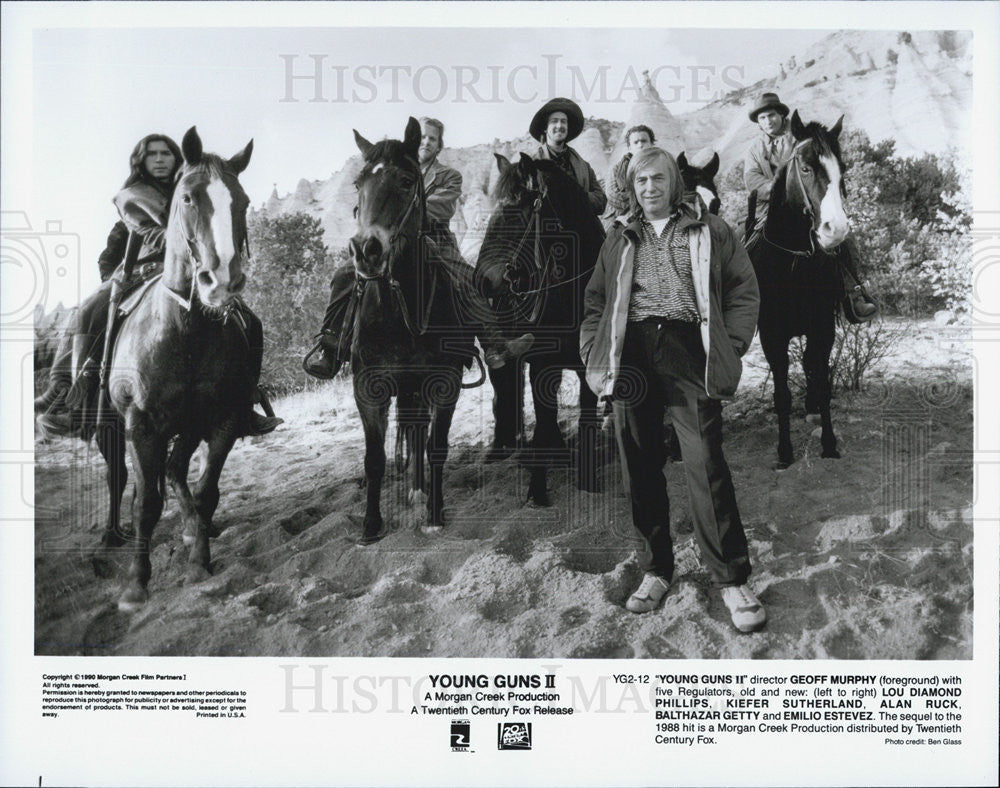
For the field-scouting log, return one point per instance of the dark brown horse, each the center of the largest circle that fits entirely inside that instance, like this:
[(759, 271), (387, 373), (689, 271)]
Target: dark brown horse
[(181, 368), (797, 275), (537, 255), (408, 341)]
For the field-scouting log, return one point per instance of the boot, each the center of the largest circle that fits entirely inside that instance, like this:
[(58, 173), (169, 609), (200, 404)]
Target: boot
[(326, 365), (53, 399), (499, 353), (858, 307), (262, 425), (58, 425)]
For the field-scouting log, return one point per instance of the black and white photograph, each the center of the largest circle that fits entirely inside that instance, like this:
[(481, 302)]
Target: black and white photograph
[(600, 357)]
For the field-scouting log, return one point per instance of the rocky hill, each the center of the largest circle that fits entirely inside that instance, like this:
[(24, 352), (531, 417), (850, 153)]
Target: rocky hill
[(915, 88)]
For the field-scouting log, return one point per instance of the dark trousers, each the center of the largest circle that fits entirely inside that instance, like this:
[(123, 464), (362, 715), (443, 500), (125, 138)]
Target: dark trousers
[(663, 367)]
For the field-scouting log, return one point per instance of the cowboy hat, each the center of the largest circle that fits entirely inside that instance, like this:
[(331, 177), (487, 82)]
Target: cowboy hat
[(768, 101), (574, 117)]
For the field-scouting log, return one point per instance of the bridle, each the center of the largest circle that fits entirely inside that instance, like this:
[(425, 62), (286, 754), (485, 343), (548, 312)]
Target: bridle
[(416, 202), (807, 209), (542, 262), (187, 303)]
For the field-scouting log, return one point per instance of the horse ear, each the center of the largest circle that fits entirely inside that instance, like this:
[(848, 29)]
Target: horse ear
[(526, 165), (191, 146), (712, 168), (239, 162), (411, 138), (363, 145), (798, 129), (503, 163), (682, 160), (837, 127)]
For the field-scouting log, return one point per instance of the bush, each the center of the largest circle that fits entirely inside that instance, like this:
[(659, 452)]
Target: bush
[(288, 288), (911, 218)]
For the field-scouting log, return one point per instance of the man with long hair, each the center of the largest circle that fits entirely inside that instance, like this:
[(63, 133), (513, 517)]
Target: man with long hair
[(670, 309)]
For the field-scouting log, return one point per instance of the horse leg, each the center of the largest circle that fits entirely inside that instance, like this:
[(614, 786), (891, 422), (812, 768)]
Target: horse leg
[(375, 420), (505, 411), (177, 472), (206, 500), (437, 455), (111, 442), (547, 437), (147, 450), (587, 437), (776, 353), (816, 359)]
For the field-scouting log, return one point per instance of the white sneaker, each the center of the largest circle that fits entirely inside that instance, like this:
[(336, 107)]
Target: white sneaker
[(746, 610), (649, 594)]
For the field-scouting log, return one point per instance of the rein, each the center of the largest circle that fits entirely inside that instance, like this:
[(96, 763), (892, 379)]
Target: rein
[(188, 303), (416, 330), (807, 209), (541, 265)]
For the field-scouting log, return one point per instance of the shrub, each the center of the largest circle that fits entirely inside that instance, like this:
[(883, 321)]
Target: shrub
[(288, 288)]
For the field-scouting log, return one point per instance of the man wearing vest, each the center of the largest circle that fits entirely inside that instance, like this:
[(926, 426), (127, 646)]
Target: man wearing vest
[(764, 158), (555, 125)]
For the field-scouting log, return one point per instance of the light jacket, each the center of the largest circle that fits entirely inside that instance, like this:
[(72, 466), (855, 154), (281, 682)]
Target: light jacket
[(758, 174), (585, 176), (442, 190), (726, 295)]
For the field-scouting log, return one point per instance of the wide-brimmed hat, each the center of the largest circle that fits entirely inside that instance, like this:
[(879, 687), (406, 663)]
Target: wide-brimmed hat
[(573, 113), (768, 101)]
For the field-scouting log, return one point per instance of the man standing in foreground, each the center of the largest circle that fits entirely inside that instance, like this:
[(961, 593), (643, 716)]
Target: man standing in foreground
[(670, 309)]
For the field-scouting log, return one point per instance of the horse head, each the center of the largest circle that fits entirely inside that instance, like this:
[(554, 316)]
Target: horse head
[(390, 202), (701, 180), (810, 184), (207, 232)]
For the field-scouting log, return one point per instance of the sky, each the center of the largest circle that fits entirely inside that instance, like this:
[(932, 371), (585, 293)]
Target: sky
[(97, 90)]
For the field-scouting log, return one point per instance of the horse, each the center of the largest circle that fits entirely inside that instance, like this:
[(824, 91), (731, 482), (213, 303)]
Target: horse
[(702, 180), (408, 340), (180, 369), (537, 255), (797, 273)]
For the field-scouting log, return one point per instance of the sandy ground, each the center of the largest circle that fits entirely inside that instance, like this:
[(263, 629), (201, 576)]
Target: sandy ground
[(866, 557)]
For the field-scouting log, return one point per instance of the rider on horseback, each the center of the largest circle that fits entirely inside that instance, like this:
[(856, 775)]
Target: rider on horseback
[(763, 160), (143, 204), (442, 190)]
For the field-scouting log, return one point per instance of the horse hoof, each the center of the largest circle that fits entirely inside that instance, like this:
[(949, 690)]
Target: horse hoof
[(133, 599), (101, 565), (780, 465), (187, 538), (367, 539), (814, 418), (498, 453), (832, 454), (431, 530), (588, 485), (196, 573)]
